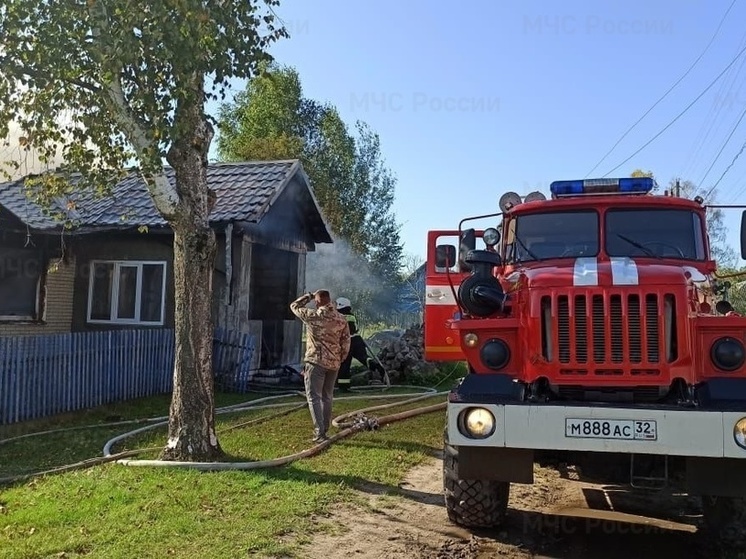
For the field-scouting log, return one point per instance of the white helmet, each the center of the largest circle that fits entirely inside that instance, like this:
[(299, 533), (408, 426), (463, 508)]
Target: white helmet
[(343, 302)]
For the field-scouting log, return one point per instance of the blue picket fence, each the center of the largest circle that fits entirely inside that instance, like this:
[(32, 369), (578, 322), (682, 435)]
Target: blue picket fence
[(46, 375)]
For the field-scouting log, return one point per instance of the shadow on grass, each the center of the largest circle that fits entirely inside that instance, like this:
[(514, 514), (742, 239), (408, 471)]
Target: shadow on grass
[(291, 473), (404, 446)]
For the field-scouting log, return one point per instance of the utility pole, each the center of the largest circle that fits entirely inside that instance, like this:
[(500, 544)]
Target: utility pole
[(678, 189)]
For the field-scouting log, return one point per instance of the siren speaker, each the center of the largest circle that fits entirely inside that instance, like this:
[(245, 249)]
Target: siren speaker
[(534, 197), (509, 200)]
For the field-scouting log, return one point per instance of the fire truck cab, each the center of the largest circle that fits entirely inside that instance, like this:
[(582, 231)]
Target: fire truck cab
[(591, 322)]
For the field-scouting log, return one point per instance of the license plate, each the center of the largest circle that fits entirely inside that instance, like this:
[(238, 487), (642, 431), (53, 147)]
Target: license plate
[(623, 429)]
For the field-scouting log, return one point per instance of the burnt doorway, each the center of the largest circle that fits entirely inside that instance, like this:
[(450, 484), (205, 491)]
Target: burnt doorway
[(274, 285)]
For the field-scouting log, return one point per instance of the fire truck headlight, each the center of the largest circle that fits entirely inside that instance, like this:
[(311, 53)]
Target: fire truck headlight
[(739, 432), (491, 236), (495, 354), (477, 423), (728, 354), (471, 339)]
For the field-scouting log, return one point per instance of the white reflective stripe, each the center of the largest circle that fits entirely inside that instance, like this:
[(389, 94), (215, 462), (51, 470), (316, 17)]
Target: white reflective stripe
[(585, 271), (624, 271), (439, 295)]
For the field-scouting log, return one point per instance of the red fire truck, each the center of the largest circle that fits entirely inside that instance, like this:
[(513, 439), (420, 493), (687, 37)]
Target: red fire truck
[(591, 322)]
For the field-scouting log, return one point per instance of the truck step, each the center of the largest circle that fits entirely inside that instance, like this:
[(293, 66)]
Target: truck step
[(648, 472)]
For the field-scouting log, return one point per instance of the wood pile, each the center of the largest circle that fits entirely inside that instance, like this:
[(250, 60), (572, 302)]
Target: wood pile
[(404, 354)]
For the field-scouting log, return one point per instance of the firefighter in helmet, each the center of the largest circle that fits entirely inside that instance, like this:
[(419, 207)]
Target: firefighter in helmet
[(358, 349)]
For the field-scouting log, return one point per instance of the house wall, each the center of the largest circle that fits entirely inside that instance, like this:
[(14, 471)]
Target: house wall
[(231, 309), (256, 304), (57, 303), (259, 297), (137, 246), (266, 255), (291, 351)]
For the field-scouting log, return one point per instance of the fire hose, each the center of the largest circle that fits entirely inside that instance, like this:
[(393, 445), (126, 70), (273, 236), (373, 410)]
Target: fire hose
[(360, 422), (350, 423)]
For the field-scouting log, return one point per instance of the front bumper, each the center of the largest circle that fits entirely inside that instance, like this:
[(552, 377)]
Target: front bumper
[(697, 433)]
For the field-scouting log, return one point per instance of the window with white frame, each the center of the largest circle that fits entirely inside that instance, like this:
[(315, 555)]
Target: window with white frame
[(127, 292)]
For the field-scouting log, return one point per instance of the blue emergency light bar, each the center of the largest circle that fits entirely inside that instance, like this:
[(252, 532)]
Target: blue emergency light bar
[(634, 185)]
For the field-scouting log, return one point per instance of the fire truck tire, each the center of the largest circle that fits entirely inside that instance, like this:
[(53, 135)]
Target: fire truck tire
[(472, 503), (725, 519)]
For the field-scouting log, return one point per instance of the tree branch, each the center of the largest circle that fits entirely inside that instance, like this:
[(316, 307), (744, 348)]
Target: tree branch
[(165, 195), (32, 73)]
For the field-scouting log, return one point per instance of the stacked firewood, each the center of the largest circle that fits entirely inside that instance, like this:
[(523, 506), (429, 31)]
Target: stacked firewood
[(404, 354)]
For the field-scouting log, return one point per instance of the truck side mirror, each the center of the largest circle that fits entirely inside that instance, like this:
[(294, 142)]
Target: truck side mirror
[(743, 235), (445, 256), (467, 243)]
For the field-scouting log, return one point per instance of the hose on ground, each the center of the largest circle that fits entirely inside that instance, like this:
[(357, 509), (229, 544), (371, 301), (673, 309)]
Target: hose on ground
[(284, 460), (350, 423), (242, 406), (97, 461), (252, 405)]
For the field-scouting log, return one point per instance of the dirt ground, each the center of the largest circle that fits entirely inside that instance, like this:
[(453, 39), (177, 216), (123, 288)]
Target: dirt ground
[(558, 517)]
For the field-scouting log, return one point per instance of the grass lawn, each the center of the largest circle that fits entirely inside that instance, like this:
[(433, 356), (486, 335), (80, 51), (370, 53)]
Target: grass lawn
[(115, 511)]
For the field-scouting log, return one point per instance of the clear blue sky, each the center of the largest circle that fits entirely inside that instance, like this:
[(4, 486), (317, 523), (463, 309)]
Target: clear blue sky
[(495, 95)]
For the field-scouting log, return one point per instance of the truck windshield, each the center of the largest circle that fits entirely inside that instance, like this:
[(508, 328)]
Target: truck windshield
[(567, 234), (657, 233)]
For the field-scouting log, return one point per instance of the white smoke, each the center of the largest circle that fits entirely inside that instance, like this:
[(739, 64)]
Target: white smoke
[(344, 273), (17, 159)]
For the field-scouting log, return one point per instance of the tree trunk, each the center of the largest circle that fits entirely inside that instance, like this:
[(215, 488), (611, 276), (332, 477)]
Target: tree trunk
[(191, 430)]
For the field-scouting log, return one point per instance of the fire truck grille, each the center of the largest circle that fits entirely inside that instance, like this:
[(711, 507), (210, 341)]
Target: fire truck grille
[(606, 330)]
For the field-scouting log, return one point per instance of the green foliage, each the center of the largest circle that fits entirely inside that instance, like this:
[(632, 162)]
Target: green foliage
[(384, 249), (722, 253), (109, 83), (272, 119), (735, 278), (444, 376), (638, 173)]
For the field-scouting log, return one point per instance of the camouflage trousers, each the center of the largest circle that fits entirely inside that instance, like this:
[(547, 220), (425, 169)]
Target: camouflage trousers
[(319, 384)]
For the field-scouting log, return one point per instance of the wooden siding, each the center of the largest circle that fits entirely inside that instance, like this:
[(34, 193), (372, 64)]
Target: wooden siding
[(57, 303), (231, 309), (285, 226), (292, 340), (137, 246)]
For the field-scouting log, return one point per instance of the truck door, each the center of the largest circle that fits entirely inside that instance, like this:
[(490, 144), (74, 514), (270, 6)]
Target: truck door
[(444, 260)]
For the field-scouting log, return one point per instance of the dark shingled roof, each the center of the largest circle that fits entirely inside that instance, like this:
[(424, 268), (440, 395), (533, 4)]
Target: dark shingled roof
[(245, 192)]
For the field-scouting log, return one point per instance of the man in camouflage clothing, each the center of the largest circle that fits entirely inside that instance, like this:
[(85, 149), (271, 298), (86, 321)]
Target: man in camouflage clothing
[(327, 345)]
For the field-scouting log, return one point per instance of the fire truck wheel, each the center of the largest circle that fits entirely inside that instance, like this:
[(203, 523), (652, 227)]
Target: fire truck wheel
[(725, 519), (472, 503)]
